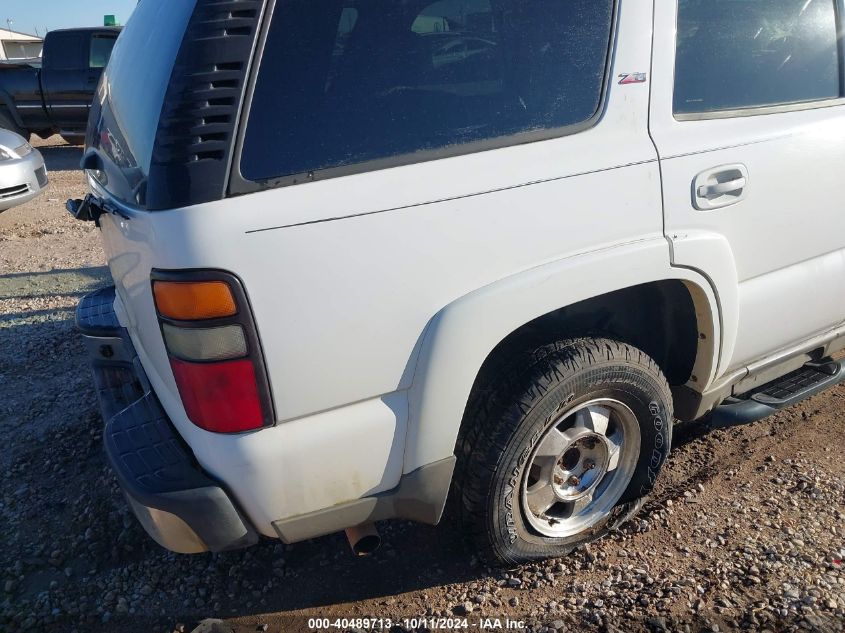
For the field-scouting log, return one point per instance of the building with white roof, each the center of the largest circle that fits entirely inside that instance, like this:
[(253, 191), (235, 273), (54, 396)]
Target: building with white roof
[(15, 45)]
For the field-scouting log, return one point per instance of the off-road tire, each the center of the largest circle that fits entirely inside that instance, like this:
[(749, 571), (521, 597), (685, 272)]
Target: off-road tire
[(506, 416)]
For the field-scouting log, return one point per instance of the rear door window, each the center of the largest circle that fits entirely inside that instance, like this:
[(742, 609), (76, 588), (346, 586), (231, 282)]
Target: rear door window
[(345, 82), (66, 51), (735, 54), (100, 51)]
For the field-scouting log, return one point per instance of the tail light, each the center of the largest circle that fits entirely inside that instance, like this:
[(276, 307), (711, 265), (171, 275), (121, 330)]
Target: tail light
[(214, 351)]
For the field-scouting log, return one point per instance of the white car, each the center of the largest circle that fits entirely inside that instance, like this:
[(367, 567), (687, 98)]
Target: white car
[(23, 175), (349, 282)]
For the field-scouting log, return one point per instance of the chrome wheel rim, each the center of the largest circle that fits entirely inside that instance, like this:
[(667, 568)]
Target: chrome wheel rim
[(580, 468)]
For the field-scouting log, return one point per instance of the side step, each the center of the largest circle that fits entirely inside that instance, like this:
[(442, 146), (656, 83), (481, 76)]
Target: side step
[(783, 392)]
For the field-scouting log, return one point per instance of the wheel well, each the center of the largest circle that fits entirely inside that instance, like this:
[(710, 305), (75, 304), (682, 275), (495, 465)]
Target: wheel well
[(659, 318)]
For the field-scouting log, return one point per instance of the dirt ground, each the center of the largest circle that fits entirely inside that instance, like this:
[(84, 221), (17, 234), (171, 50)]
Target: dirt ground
[(745, 531)]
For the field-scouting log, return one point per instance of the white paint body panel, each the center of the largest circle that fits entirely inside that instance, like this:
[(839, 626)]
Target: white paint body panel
[(343, 304), (786, 237)]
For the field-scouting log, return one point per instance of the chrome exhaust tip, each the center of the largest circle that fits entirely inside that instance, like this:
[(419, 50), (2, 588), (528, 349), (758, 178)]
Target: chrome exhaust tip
[(363, 539)]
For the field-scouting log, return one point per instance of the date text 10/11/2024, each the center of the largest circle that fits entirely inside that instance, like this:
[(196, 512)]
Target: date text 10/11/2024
[(447, 624)]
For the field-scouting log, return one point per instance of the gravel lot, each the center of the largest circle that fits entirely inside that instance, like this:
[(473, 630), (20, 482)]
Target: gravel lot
[(745, 531)]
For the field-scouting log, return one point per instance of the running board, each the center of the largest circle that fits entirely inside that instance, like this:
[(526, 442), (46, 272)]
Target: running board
[(783, 392)]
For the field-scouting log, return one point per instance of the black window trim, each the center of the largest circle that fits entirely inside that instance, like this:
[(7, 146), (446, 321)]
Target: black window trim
[(780, 108), (239, 185)]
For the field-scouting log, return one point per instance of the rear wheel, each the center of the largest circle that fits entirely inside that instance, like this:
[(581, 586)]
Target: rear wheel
[(560, 447)]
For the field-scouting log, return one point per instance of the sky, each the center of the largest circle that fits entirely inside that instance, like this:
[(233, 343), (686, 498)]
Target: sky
[(27, 15)]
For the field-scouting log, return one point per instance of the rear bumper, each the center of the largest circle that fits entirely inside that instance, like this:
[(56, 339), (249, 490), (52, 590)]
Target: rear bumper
[(179, 505)]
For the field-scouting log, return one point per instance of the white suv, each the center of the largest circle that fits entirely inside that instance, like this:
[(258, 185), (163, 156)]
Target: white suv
[(368, 253)]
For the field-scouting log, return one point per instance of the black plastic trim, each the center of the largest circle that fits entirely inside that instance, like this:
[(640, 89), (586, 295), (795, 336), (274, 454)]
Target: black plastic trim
[(757, 404), (243, 318), (153, 465), (812, 378), (196, 130), (154, 468), (239, 185), (95, 314)]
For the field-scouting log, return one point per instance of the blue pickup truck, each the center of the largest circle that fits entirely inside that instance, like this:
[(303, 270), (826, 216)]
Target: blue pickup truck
[(53, 94)]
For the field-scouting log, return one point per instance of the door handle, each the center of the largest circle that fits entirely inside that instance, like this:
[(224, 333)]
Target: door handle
[(721, 188)]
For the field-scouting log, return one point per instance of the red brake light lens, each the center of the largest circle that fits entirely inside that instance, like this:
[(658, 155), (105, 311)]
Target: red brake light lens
[(214, 351), (219, 397)]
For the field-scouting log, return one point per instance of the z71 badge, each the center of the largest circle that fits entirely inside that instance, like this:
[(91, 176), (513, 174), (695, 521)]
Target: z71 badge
[(632, 78)]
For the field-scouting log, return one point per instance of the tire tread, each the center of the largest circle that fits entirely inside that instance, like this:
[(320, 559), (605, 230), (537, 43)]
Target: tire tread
[(508, 392)]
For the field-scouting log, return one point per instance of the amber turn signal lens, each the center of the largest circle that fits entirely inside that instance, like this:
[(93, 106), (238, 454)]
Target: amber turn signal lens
[(194, 300)]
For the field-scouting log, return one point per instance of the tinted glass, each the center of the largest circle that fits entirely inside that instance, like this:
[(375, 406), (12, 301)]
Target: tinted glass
[(347, 81), (66, 51), (749, 53), (125, 113), (100, 51)]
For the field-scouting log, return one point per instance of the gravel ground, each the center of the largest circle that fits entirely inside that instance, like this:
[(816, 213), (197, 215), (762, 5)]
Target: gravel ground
[(746, 529)]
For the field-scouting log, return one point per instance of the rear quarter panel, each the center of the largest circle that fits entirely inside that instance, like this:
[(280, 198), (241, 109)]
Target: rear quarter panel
[(345, 276)]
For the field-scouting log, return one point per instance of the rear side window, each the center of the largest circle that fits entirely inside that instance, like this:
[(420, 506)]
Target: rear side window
[(344, 82), (100, 51), (66, 51), (735, 54)]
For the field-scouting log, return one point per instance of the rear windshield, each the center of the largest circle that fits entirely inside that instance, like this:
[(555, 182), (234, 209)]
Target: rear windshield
[(126, 112), (343, 82)]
